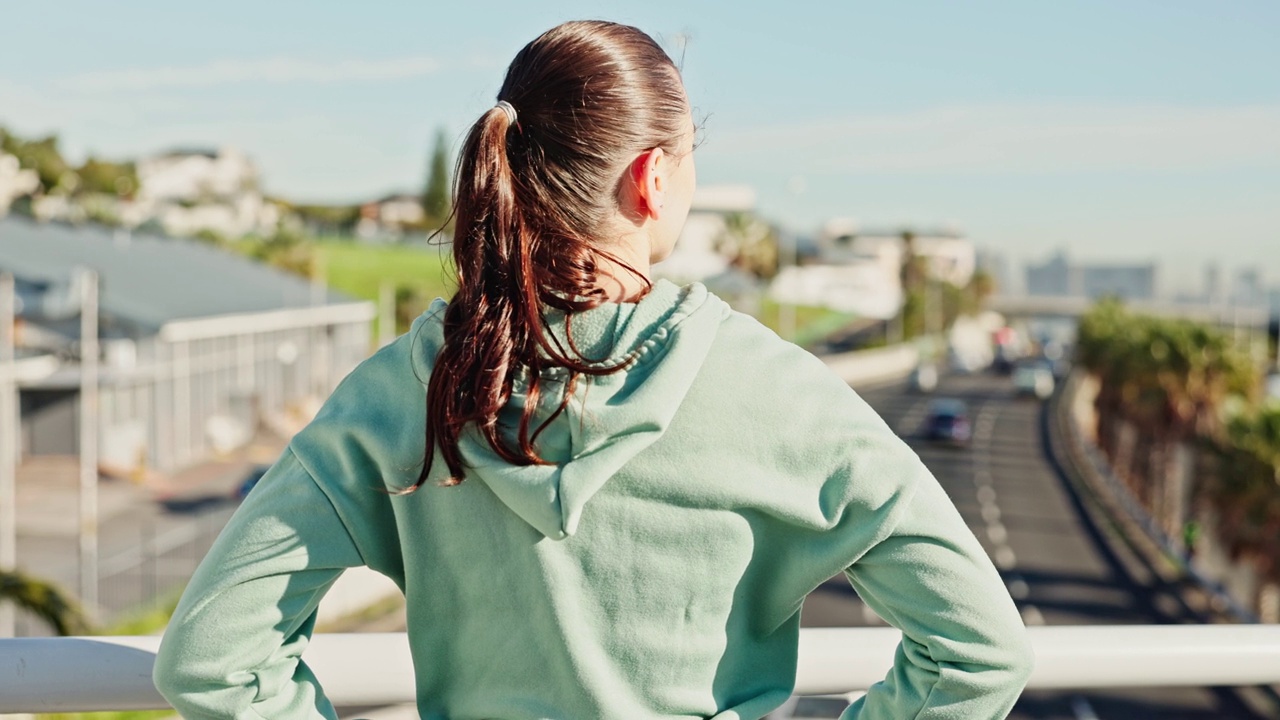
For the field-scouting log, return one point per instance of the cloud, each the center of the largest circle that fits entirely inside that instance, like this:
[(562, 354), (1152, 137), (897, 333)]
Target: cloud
[(267, 70), (1017, 139)]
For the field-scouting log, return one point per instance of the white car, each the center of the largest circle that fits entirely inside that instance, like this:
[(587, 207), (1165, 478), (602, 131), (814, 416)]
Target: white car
[(924, 378), (1033, 379)]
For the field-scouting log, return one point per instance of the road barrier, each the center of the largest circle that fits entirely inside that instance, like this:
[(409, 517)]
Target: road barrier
[(89, 674), (867, 367)]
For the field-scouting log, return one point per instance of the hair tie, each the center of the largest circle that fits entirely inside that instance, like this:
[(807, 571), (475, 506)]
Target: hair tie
[(508, 109)]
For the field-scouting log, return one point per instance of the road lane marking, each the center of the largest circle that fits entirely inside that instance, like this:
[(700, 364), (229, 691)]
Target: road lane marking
[(910, 422), (1018, 588), (997, 533), (1031, 615), (1005, 559), (987, 495), (1082, 709)]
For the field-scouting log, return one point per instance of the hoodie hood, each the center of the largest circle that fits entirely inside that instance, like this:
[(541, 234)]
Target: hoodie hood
[(663, 339)]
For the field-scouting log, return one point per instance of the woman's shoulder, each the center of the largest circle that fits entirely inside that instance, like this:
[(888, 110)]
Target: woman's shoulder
[(376, 414), (759, 352)]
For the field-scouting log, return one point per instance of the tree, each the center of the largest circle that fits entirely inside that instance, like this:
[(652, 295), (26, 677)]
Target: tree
[(100, 176), (288, 250), (44, 600), (44, 157), (435, 198), (1171, 380), (750, 243)]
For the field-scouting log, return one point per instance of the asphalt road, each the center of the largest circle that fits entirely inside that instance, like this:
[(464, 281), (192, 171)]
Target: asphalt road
[(1059, 568)]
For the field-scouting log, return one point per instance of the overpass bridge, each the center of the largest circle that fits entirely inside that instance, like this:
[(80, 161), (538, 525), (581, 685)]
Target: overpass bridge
[(1071, 307)]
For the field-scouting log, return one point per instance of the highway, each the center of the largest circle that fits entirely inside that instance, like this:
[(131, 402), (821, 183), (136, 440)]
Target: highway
[(1058, 566)]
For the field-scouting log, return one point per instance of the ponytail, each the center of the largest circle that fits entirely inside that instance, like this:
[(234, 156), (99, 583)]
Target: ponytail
[(535, 181)]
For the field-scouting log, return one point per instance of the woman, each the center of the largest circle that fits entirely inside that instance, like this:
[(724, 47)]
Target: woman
[(603, 496)]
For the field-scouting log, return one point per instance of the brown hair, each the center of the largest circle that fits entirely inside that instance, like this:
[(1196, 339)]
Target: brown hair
[(532, 201)]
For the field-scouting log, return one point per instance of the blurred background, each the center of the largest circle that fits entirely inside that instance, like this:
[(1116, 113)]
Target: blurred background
[(1042, 240)]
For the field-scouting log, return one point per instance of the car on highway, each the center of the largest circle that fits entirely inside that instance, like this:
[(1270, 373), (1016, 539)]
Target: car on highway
[(1034, 378), (924, 378), (947, 420)]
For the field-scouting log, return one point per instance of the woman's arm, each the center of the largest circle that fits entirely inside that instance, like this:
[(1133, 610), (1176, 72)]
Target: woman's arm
[(233, 647), (964, 651)]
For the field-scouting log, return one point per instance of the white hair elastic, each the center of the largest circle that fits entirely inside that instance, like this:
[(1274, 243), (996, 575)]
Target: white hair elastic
[(509, 109)]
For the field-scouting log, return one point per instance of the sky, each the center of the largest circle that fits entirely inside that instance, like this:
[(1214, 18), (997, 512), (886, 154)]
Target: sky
[(1133, 131)]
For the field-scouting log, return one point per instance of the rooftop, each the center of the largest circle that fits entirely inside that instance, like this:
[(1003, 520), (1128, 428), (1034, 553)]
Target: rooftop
[(150, 281)]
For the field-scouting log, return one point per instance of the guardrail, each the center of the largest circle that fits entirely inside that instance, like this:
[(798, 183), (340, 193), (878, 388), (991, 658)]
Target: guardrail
[(865, 367), (88, 674)]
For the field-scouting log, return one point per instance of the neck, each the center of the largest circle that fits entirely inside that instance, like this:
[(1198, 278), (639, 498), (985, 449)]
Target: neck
[(619, 283)]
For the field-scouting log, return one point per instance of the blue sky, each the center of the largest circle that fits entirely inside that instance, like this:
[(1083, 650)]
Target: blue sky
[(1118, 130)]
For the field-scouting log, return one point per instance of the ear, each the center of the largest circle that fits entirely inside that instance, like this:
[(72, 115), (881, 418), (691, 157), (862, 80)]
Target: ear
[(650, 181)]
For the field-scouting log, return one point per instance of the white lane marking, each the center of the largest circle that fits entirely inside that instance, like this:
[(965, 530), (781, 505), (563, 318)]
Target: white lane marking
[(991, 513), (987, 495), (1018, 588), (985, 424), (910, 422), (1005, 559), (1082, 709), (1031, 615), (997, 533)]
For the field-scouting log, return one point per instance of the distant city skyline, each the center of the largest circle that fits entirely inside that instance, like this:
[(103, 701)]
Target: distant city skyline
[(1135, 132)]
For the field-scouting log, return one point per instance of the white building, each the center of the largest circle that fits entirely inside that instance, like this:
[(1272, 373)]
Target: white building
[(192, 190), (695, 256), (948, 255), (15, 182), (390, 215), (864, 288)]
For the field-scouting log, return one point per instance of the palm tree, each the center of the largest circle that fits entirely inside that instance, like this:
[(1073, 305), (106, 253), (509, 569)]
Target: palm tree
[(44, 600)]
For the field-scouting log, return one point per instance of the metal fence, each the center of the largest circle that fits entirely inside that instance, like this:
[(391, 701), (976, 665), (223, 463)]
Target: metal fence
[(147, 573)]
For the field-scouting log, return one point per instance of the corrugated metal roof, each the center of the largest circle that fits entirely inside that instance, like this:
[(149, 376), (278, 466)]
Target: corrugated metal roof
[(148, 280)]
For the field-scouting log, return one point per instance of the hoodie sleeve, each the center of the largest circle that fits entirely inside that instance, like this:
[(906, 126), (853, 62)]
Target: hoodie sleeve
[(233, 648), (964, 651)]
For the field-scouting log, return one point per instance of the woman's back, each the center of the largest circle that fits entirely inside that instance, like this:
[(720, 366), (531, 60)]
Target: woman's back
[(657, 568)]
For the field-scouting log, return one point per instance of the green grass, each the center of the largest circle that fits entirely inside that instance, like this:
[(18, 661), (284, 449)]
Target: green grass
[(145, 622), (811, 323), (114, 715), (360, 270)]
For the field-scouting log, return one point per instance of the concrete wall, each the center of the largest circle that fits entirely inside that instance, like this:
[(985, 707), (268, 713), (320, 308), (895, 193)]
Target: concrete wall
[(868, 367)]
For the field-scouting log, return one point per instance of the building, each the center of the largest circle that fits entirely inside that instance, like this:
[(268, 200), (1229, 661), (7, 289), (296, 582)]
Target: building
[(996, 267), (1250, 289), (15, 182), (390, 215), (696, 255), (200, 348), (1059, 277), (948, 255), (188, 191)]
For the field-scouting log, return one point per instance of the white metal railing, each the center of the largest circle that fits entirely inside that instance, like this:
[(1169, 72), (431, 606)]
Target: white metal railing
[(90, 674)]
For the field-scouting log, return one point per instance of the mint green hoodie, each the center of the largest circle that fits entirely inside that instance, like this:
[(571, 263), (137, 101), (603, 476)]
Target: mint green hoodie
[(655, 570)]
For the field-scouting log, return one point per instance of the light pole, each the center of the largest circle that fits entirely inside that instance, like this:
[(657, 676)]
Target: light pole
[(8, 446), (790, 251), (787, 310), (89, 439)]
